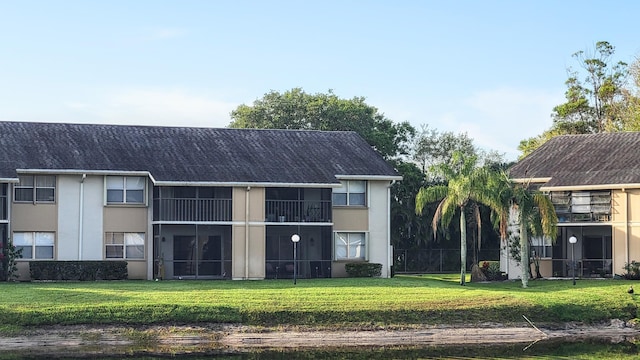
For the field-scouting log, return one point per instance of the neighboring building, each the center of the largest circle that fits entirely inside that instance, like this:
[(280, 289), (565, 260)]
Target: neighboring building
[(594, 183), (187, 203)]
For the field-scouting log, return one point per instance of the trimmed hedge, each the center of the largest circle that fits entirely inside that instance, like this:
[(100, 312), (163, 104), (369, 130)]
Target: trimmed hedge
[(78, 270), (363, 269)]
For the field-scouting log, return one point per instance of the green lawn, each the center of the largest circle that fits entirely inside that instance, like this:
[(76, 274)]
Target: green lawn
[(428, 299)]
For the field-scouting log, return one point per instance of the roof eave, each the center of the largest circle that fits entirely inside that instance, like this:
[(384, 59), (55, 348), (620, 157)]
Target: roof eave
[(370, 177), (531, 180), (590, 187), (246, 184)]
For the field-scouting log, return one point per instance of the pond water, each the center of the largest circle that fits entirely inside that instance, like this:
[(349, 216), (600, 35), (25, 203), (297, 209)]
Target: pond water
[(553, 349)]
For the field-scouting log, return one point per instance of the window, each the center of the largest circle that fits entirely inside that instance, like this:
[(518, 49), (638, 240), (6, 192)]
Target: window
[(350, 246), (3, 203), (34, 245), (125, 190), (350, 193), (120, 245), (41, 188), (542, 247)]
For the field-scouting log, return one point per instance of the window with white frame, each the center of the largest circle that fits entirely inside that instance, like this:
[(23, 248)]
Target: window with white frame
[(35, 188), (4, 209), (35, 245), (542, 247), (350, 193), (125, 189), (350, 245), (121, 245)]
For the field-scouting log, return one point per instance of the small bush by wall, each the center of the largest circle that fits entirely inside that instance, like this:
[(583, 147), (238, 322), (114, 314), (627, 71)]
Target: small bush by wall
[(363, 269), (78, 270), (491, 270), (632, 270)]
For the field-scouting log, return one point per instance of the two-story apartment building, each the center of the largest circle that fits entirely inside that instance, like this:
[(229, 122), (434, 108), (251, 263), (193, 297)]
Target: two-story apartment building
[(194, 203), (594, 183)]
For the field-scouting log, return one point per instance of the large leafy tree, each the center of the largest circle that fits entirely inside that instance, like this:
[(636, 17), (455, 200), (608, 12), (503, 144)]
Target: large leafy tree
[(596, 98), (431, 147), (296, 109), (409, 230), (465, 188), (630, 108)]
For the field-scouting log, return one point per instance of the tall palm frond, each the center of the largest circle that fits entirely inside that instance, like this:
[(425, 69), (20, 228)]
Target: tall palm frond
[(466, 184)]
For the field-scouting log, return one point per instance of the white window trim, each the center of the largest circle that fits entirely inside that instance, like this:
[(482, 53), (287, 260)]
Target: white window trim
[(366, 247), (124, 246), (544, 243), (34, 189), (33, 246), (346, 185), (145, 192)]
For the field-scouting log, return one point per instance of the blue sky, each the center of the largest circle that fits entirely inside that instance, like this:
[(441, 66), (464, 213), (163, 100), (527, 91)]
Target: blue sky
[(492, 69)]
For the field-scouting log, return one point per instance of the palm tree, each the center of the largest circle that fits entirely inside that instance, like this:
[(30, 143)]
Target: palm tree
[(466, 186), (534, 211)]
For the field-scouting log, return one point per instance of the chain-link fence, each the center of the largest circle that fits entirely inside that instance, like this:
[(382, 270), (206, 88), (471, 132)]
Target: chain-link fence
[(436, 260)]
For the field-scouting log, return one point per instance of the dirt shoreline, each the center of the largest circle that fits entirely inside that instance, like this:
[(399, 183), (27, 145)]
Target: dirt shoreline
[(227, 338)]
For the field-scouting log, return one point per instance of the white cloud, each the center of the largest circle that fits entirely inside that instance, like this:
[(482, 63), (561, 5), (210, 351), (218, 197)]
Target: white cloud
[(499, 119), (166, 33), (166, 107)]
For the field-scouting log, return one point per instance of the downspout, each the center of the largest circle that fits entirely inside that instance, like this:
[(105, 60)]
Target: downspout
[(626, 225), (246, 234), (390, 247), (81, 217)]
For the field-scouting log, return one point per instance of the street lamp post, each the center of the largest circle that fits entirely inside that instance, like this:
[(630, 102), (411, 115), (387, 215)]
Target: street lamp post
[(573, 240), (295, 238)]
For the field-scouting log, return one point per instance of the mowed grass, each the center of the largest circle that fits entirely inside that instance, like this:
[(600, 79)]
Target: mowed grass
[(402, 300)]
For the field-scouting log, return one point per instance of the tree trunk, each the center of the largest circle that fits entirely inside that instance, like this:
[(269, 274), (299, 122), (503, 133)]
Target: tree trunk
[(524, 253), (463, 246)]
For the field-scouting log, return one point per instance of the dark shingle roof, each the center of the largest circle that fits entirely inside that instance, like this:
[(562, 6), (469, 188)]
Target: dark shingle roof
[(584, 160), (175, 154)]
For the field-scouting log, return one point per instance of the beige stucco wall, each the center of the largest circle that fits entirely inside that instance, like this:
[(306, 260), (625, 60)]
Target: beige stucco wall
[(546, 268), (350, 219), (125, 219), (129, 219), (256, 233), (30, 217), (256, 203), (625, 216), (137, 269)]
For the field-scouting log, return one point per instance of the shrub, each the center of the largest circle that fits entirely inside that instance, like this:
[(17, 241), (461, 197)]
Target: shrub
[(78, 270), (632, 271), (491, 269), (363, 269), (8, 265)]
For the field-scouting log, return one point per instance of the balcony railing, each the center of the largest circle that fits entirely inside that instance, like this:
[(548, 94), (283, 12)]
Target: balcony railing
[(192, 210), (298, 211)]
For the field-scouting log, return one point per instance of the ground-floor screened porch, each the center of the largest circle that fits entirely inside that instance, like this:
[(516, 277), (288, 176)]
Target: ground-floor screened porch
[(588, 256), (192, 251), (3, 246), (313, 252), (580, 251)]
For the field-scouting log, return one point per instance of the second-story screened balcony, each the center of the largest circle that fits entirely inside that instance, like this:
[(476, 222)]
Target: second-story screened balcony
[(298, 205), (582, 206), (192, 203)]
